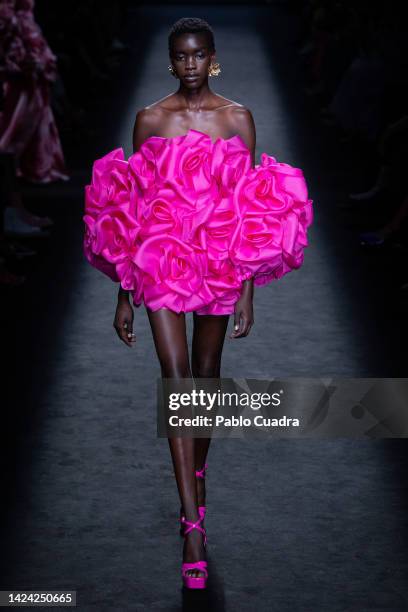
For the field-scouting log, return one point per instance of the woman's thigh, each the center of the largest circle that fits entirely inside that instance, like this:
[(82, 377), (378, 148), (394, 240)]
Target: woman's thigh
[(170, 339), (208, 341)]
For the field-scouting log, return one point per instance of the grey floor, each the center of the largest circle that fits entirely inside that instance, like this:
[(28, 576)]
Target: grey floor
[(293, 525)]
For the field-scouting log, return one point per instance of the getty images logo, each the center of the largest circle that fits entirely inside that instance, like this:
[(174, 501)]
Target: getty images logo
[(208, 401)]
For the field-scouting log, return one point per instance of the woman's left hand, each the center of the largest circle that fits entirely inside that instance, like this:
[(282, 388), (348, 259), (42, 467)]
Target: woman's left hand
[(243, 316)]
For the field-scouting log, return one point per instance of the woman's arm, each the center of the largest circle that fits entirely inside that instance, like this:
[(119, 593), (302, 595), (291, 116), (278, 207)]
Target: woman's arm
[(141, 130), (245, 127), (123, 294), (123, 322), (244, 316)]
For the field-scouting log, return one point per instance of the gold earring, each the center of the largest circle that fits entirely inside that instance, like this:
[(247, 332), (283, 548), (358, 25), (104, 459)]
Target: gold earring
[(172, 71), (214, 69)]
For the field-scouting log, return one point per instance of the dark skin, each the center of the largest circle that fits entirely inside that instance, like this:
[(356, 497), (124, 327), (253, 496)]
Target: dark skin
[(192, 106)]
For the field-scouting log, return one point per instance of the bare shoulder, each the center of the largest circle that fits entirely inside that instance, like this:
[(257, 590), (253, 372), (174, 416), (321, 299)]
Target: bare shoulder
[(238, 117), (241, 122), (241, 119), (149, 119)]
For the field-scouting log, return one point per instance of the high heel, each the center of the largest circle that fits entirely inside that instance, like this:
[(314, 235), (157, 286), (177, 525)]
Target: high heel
[(194, 582), (201, 509)]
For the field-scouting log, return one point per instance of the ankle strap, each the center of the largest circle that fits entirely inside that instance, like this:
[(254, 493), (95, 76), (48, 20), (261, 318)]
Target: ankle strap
[(189, 526), (201, 473)]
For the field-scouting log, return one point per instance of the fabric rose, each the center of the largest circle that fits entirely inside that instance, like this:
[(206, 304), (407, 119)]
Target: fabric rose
[(112, 229), (259, 192), (113, 236), (184, 161), (110, 183), (193, 162), (161, 215), (131, 278), (222, 305), (215, 235), (292, 182), (256, 245), (224, 282), (176, 274), (116, 234), (274, 213), (290, 179), (97, 261), (231, 159), (143, 171)]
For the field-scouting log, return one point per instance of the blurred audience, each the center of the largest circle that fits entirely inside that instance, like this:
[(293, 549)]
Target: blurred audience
[(27, 125), (355, 60), (45, 97)]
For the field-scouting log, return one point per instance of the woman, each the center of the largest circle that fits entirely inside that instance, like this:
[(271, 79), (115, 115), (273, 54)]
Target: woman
[(187, 225), (27, 125)]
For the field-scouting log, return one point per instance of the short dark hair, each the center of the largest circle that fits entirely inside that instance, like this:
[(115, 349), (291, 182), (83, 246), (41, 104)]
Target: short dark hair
[(195, 25)]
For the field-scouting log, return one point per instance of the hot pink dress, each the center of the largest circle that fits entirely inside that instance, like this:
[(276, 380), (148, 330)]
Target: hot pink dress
[(184, 221)]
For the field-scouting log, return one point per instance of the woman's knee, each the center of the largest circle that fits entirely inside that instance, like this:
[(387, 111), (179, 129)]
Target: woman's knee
[(175, 368), (169, 333), (206, 367)]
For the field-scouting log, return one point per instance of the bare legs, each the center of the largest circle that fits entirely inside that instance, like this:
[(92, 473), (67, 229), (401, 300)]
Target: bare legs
[(208, 341), (189, 454)]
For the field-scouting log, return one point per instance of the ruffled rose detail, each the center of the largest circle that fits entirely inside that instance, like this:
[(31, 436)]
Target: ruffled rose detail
[(215, 235), (112, 230), (185, 160), (110, 183), (97, 261), (193, 164), (185, 221), (274, 212), (176, 274), (116, 235), (160, 216), (230, 161), (143, 169)]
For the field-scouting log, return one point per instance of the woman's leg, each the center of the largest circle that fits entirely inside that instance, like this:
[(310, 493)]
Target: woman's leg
[(170, 339), (208, 341)]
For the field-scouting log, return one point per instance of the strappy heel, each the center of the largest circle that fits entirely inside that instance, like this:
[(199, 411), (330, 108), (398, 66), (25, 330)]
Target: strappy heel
[(201, 509), (194, 582)]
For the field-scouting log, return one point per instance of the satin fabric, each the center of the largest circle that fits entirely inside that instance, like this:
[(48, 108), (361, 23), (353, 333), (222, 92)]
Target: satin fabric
[(184, 221)]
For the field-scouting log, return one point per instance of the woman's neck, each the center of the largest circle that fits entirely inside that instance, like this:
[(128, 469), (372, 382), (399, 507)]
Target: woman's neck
[(194, 99)]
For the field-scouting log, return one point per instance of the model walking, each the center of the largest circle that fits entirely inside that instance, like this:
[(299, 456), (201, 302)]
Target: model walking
[(190, 224)]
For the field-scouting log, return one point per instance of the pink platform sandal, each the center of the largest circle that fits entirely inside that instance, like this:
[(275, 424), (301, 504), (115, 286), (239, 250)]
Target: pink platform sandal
[(194, 582), (201, 509)]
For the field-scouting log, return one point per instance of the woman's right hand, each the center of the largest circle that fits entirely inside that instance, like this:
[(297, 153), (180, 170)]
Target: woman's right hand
[(123, 322)]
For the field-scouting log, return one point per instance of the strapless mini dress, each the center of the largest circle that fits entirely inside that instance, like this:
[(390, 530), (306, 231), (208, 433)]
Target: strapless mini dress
[(184, 221)]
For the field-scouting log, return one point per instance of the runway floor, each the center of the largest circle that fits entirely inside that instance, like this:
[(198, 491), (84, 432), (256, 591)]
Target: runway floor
[(90, 502)]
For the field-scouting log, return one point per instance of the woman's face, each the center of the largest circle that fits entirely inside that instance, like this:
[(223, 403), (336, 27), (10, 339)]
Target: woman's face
[(191, 57)]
